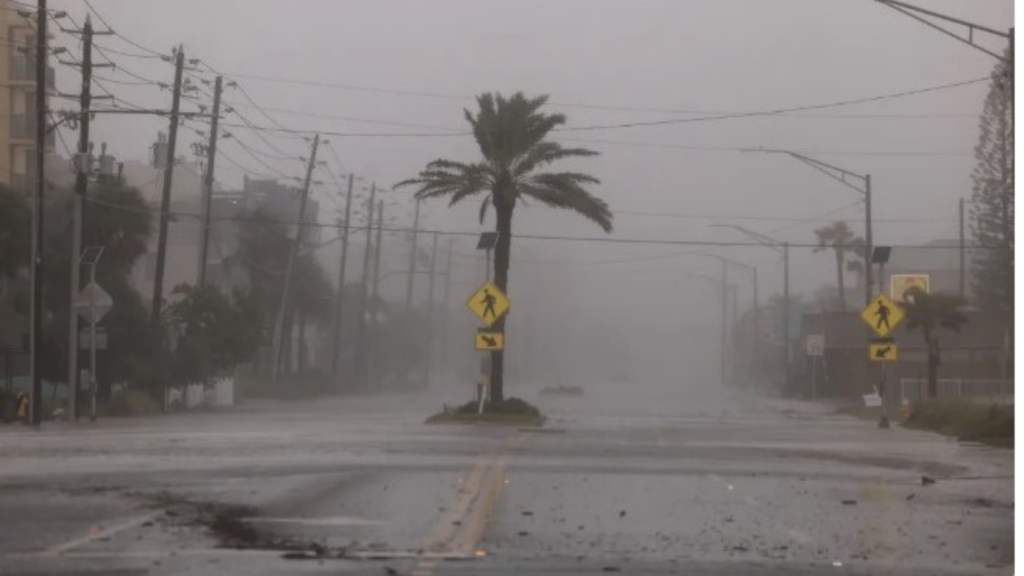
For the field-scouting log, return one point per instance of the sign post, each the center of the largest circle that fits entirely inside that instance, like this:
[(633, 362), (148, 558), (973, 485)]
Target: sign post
[(882, 315), (489, 304), (93, 303), (815, 349)]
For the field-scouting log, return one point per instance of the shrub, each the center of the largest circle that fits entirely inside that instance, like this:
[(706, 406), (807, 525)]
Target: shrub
[(508, 406), (130, 403), (964, 420)]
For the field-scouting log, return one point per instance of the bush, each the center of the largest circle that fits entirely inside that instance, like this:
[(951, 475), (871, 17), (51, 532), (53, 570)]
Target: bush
[(968, 422), (508, 406), (511, 411), (130, 403)]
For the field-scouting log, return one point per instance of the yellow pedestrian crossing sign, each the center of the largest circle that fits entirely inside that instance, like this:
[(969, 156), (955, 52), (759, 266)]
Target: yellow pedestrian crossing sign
[(490, 341), (882, 315), (488, 303), (883, 352)]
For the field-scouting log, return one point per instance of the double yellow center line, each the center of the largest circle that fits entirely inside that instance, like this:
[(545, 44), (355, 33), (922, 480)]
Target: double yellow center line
[(460, 530)]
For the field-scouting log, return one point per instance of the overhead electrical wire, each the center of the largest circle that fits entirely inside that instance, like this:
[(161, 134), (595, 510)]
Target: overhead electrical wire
[(458, 97), (121, 36), (475, 233)]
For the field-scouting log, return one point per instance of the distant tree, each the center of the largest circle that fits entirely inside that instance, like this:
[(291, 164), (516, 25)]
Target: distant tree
[(511, 134), (844, 244), (991, 206), (15, 232), (117, 218), (928, 313), (215, 332), (263, 254)]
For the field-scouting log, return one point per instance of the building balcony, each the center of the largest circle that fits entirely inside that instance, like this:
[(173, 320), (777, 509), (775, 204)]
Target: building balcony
[(22, 72), (23, 131)]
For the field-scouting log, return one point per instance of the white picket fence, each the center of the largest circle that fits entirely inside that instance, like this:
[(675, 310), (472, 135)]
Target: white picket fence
[(218, 394), (973, 389)]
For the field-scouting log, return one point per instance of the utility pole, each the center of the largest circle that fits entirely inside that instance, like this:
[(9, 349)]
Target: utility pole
[(83, 165), (211, 160), (725, 320), (340, 303), (376, 251), (868, 241), (412, 256), (963, 259), (279, 336), (36, 329), (361, 348), (755, 345), (786, 313), (165, 198), (430, 309), (372, 336), (446, 296)]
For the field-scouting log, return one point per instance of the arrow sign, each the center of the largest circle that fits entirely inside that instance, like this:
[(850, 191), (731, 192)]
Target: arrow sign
[(490, 341), (884, 352)]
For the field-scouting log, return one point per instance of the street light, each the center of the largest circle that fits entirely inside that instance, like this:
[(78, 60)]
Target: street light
[(725, 288), (783, 248), (919, 14), (859, 182), (756, 309)]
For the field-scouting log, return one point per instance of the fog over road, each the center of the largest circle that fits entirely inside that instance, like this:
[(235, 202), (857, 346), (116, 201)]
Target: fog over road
[(697, 483)]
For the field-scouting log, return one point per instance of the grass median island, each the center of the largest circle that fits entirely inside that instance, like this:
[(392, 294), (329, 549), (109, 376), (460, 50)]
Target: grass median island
[(511, 411), (986, 423)]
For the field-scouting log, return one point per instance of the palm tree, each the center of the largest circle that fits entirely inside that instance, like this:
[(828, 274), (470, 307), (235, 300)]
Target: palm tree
[(929, 312), (840, 239), (511, 135)]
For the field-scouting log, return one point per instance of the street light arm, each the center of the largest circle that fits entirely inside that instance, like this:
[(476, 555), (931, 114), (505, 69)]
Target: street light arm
[(909, 10), (765, 240), (834, 172), (748, 267)]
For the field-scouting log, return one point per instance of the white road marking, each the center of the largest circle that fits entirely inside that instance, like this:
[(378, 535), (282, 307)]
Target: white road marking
[(104, 533)]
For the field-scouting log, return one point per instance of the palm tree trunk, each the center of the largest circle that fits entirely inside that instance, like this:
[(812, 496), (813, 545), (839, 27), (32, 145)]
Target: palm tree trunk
[(842, 290), (502, 256)]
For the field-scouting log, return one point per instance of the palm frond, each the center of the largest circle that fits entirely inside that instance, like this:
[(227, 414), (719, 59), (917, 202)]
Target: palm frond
[(448, 178), (565, 190), (483, 208), (544, 153), (506, 129)]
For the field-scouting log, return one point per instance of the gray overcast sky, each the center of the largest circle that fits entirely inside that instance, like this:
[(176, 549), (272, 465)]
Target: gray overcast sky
[(701, 56)]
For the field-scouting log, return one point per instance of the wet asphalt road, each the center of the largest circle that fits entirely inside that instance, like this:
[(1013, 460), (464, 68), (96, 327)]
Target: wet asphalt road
[(618, 481)]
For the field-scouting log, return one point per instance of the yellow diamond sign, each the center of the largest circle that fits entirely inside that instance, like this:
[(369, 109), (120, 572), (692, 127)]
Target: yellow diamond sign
[(488, 303), (882, 315)]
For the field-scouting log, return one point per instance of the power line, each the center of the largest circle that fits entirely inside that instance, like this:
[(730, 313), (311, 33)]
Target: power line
[(686, 216), (731, 113), (923, 153), (122, 37), (670, 121), (546, 237), (806, 108)]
